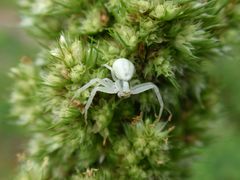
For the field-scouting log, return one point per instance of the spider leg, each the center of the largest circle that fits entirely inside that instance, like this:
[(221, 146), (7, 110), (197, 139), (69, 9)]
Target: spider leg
[(147, 86), (110, 68), (104, 82), (106, 89)]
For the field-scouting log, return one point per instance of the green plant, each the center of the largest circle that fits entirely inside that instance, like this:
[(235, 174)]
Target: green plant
[(169, 42)]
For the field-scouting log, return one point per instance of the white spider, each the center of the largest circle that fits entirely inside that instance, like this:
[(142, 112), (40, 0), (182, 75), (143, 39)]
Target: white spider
[(122, 71)]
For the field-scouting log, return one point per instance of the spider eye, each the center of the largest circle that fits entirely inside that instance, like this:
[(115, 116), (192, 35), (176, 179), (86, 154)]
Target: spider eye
[(123, 69)]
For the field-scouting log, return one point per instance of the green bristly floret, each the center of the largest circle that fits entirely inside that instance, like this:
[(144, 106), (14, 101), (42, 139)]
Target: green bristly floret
[(170, 43)]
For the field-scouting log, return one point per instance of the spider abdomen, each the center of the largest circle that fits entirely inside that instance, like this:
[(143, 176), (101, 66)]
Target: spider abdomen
[(123, 69)]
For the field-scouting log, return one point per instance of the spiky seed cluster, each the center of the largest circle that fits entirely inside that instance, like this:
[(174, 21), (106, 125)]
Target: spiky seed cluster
[(168, 42)]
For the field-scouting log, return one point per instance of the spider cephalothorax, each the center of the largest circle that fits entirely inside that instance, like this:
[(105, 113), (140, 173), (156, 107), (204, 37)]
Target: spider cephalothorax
[(122, 72)]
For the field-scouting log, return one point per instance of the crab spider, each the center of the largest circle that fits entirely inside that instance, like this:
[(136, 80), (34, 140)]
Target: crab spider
[(122, 72)]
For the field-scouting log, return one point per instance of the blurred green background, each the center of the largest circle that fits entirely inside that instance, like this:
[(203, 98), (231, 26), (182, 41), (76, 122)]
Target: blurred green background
[(14, 43), (220, 160)]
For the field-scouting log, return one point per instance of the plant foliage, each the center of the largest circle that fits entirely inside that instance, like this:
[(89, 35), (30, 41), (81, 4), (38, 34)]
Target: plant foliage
[(169, 42)]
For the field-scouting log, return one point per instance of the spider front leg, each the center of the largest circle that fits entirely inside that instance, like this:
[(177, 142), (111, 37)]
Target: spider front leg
[(112, 73), (147, 86), (107, 89), (104, 82)]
